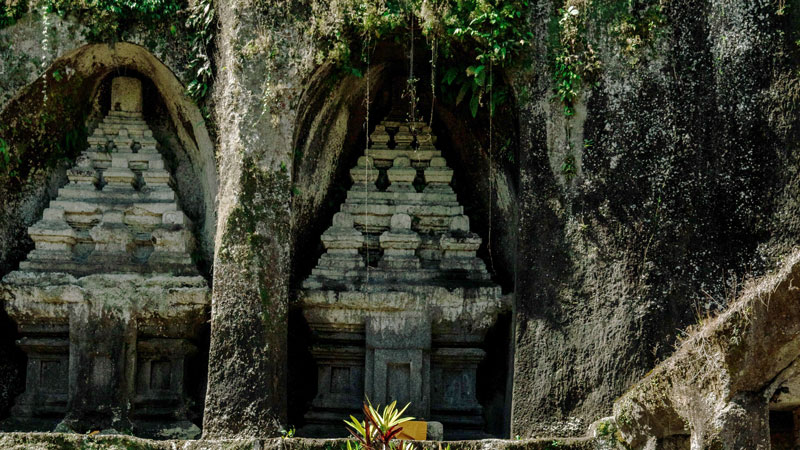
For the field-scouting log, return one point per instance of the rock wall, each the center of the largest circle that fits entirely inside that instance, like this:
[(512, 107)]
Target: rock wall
[(615, 227), (685, 185), (720, 387)]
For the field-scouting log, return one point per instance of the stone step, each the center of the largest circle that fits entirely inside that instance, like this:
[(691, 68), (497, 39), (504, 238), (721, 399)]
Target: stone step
[(385, 155), (359, 196), (87, 207), (146, 194)]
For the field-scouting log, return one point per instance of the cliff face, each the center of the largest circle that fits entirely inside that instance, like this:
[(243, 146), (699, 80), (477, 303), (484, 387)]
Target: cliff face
[(688, 182), (618, 215)]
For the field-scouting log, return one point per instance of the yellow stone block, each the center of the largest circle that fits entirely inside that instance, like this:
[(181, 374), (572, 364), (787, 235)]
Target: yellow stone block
[(414, 430)]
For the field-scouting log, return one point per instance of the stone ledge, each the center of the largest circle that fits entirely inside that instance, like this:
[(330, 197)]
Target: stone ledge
[(53, 441), (719, 385)]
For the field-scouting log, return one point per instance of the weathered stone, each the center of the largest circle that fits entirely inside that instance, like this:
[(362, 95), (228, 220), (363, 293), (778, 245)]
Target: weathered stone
[(401, 175), (376, 325), (86, 314), (126, 94), (718, 387), (404, 137), (380, 138), (397, 360), (364, 173), (459, 223)]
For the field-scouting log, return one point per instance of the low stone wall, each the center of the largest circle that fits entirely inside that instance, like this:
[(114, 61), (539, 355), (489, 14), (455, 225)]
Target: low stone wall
[(61, 441)]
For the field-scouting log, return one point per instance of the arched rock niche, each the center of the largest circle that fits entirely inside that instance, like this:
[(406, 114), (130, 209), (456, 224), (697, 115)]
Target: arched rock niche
[(329, 137), (86, 70), (81, 78)]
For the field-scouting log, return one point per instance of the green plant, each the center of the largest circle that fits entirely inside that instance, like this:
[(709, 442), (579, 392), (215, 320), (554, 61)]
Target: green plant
[(606, 429), (109, 19), (568, 167), (114, 20), (6, 159), (470, 36), (378, 430), (11, 11), (287, 432), (574, 60), (635, 24), (500, 31), (201, 23)]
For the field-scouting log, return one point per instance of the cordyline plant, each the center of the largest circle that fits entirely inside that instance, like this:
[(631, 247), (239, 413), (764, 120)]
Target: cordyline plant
[(378, 430)]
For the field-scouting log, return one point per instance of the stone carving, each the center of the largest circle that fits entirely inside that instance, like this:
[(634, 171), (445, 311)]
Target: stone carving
[(400, 303), (107, 301)]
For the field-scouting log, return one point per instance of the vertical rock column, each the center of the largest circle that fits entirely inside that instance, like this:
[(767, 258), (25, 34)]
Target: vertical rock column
[(247, 358)]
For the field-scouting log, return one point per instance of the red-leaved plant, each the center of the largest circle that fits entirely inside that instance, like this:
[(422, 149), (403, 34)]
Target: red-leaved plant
[(378, 431)]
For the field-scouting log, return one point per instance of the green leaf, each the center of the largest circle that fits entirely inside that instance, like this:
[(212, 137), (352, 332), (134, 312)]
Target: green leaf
[(462, 92), (450, 75), (473, 104), (480, 78)]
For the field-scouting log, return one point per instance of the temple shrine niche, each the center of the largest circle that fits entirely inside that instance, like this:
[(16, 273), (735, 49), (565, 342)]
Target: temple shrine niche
[(109, 301), (399, 304)]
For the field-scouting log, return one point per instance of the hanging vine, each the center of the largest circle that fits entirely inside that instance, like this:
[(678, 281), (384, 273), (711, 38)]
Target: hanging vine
[(467, 36)]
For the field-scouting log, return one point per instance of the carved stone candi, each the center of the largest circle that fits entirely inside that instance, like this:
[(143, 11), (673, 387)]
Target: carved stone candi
[(109, 300), (400, 304)]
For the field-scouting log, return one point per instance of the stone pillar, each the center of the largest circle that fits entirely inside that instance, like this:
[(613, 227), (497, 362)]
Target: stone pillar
[(83, 175), (425, 137), (399, 245), (401, 175), (454, 400), (102, 359), (46, 381), (342, 242), (459, 249), (404, 137), (247, 359), (119, 176), (438, 177), (398, 360), (112, 239), (54, 238), (380, 138), (364, 174)]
